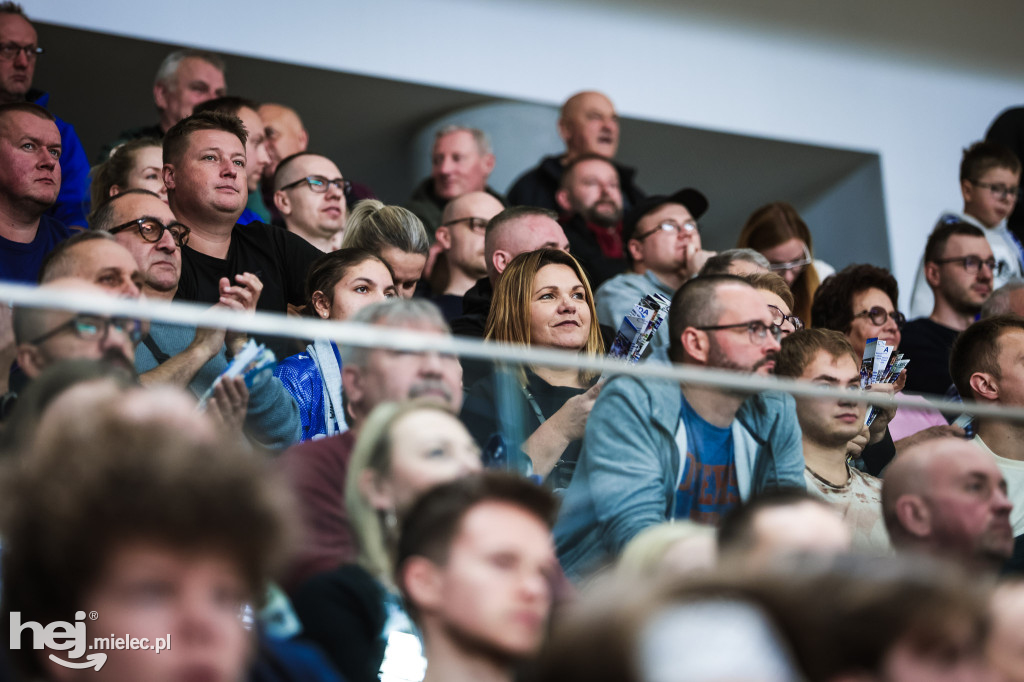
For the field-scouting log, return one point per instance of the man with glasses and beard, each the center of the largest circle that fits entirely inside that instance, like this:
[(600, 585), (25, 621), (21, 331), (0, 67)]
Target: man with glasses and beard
[(694, 452)]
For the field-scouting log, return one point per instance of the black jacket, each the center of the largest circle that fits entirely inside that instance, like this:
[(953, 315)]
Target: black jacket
[(537, 187)]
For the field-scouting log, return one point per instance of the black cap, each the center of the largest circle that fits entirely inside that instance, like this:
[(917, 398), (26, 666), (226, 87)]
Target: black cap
[(695, 202)]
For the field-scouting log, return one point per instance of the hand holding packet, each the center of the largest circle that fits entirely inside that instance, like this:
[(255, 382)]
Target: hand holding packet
[(638, 327), (255, 363), (880, 366)]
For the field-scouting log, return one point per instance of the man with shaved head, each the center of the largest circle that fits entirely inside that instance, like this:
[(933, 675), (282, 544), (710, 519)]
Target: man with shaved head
[(463, 259), (587, 124), (285, 134), (947, 498), (309, 194)]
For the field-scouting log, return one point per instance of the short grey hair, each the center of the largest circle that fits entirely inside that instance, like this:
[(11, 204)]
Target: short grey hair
[(719, 263), (169, 66), (392, 313), (483, 143), (998, 302)]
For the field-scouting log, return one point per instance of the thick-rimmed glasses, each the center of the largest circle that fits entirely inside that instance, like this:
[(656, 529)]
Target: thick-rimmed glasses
[(9, 51), (757, 330), (320, 184), (780, 318), (688, 227), (152, 230), (971, 264), (478, 225), (879, 315), (87, 327), (799, 263), (1001, 191)]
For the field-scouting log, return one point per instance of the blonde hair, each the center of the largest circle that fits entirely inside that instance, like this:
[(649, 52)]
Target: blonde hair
[(375, 227), (509, 318), (642, 556), (372, 452)]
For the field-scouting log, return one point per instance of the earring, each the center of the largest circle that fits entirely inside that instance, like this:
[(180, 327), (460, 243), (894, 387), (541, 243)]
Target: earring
[(390, 520), (323, 315)]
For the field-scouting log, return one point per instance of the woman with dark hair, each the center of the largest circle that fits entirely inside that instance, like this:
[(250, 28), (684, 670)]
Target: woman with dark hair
[(542, 299), (338, 284), (777, 232)]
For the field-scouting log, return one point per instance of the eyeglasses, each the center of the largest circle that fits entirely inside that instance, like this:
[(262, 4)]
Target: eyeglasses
[(757, 330), (669, 226), (793, 264), (320, 184), (9, 51), (89, 327), (475, 224), (779, 318), (971, 264), (152, 230), (1001, 191), (878, 316)]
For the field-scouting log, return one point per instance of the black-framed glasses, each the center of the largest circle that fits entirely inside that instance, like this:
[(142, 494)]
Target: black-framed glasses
[(757, 330), (879, 315), (688, 227), (793, 264), (320, 184), (86, 326), (152, 230), (1000, 190), (9, 51), (474, 223), (972, 264), (780, 318)]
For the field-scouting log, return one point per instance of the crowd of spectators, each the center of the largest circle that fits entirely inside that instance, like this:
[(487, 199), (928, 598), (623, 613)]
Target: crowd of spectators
[(353, 512)]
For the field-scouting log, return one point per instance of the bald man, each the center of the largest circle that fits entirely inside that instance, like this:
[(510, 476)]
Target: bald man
[(947, 498), (587, 124), (285, 135)]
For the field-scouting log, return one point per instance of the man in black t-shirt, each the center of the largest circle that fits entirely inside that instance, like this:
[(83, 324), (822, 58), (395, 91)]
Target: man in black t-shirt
[(959, 268), (205, 174)]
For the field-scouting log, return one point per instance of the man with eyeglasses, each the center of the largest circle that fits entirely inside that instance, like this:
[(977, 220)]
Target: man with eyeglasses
[(989, 182), (19, 51), (309, 193), (590, 202), (183, 355), (462, 261), (959, 268), (655, 451), (663, 248), (460, 162)]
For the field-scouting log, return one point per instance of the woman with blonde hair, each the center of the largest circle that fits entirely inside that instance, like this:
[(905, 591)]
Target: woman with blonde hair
[(542, 299), (354, 612), (137, 164), (396, 234), (778, 233)]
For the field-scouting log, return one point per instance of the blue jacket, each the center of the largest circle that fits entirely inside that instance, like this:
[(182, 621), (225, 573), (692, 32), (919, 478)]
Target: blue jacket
[(73, 198), (629, 469)]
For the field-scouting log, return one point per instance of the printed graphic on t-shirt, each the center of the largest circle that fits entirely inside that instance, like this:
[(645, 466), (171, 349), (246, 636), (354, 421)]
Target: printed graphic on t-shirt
[(708, 489)]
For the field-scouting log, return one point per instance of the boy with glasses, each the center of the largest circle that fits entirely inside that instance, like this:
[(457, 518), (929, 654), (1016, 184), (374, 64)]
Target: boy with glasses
[(683, 451), (989, 183)]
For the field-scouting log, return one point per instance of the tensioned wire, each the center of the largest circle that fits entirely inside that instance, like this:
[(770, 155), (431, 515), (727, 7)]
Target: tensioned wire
[(377, 336)]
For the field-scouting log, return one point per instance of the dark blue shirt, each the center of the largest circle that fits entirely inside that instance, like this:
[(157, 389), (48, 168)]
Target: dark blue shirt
[(708, 488), (21, 262)]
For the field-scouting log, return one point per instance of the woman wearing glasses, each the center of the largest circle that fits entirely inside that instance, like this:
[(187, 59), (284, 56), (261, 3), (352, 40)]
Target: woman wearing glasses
[(542, 299), (778, 298), (778, 233)]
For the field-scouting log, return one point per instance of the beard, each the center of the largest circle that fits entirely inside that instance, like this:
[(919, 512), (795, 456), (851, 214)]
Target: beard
[(609, 217), (719, 360)]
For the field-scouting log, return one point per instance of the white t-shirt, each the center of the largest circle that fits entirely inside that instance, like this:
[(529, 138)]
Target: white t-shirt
[(860, 503), (1013, 472)]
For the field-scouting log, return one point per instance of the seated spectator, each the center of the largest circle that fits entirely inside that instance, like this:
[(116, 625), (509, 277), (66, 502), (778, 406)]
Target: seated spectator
[(778, 526), (476, 567), (779, 299), (180, 354), (460, 163), (673, 548), (947, 498), (695, 451), (959, 267), (317, 470), (137, 164), (860, 303), (355, 612), (588, 124), (396, 235), (339, 284), (28, 188), (989, 183), (542, 299), (590, 202), (207, 193), (462, 260), (512, 232), (663, 244), (1005, 300), (826, 358), (1005, 131), (95, 257), (309, 194), (1005, 647), (737, 262), (19, 64), (777, 232), (256, 155), (163, 529)]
